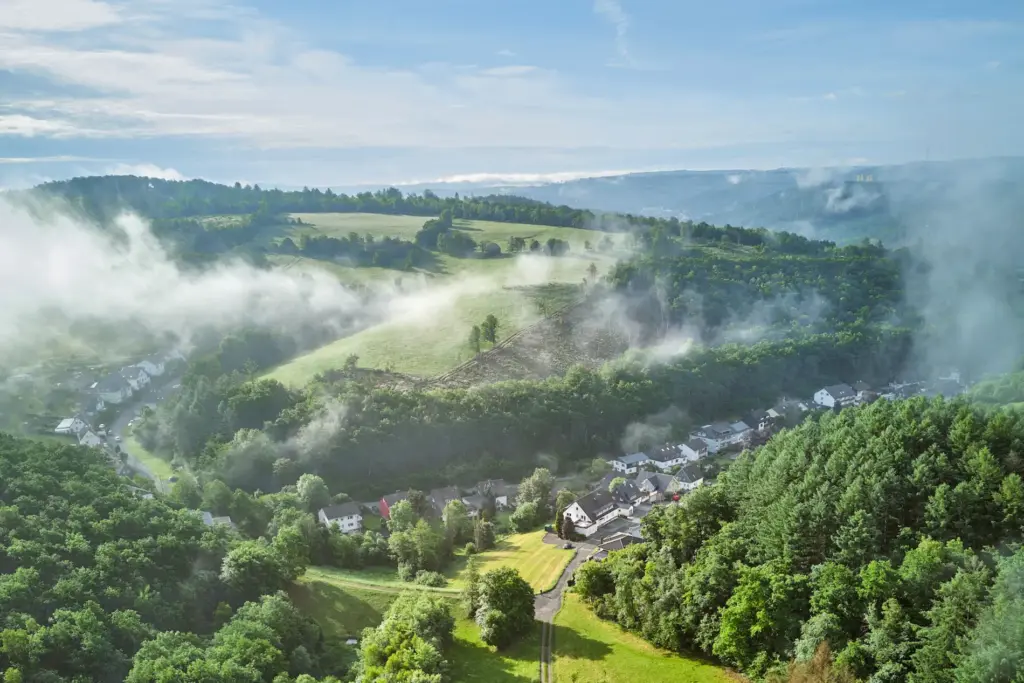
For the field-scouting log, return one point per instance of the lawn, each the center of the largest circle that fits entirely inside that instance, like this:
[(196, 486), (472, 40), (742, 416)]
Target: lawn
[(589, 649), (539, 563), (154, 463), (344, 609)]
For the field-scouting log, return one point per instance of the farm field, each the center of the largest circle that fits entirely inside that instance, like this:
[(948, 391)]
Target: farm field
[(428, 333), (589, 649)]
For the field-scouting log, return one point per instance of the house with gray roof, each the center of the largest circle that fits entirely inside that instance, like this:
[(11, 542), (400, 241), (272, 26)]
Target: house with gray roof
[(630, 464), (347, 517)]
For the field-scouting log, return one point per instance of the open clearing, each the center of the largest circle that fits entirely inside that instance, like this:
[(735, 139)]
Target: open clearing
[(539, 563), (343, 610), (589, 649)]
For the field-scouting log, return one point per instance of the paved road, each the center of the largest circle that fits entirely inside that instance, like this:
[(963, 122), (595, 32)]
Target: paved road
[(546, 605), (156, 392)]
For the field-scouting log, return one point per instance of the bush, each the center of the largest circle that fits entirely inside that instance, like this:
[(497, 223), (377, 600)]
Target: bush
[(471, 548), (525, 517), (406, 572), (433, 579)]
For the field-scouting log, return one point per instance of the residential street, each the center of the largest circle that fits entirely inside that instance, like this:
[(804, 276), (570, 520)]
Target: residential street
[(156, 392), (546, 605)]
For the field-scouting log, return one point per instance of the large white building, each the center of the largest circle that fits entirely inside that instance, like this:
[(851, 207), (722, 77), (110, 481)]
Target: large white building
[(719, 435), (592, 511), (347, 517), (841, 395), (630, 464), (71, 425)]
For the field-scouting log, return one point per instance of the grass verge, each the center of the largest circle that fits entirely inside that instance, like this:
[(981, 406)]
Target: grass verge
[(587, 648)]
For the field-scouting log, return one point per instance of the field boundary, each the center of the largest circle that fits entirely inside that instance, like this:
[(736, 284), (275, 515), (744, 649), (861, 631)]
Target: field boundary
[(445, 376)]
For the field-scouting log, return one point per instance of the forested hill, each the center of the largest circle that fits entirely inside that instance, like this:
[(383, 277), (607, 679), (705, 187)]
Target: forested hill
[(101, 583), (889, 534)]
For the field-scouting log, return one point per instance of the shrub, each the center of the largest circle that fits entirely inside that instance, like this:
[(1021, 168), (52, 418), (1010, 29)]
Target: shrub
[(471, 548), (433, 579)]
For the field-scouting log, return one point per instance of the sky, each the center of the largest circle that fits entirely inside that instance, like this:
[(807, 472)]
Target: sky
[(351, 92)]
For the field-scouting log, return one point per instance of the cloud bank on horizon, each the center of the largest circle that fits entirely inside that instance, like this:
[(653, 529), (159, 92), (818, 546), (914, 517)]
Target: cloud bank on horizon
[(346, 93)]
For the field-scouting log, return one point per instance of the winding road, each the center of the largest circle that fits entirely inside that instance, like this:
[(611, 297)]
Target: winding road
[(546, 605)]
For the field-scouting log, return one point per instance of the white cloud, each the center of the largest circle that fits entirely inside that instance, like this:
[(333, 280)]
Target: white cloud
[(56, 15), (146, 171), (518, 178), (612, 11), (29, 126), (43, 160), (506, 53), (994, 64)]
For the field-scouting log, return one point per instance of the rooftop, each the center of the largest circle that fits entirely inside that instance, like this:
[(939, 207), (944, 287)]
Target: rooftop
[(596, 503), (341, 510), (840, 391), (633, 459)]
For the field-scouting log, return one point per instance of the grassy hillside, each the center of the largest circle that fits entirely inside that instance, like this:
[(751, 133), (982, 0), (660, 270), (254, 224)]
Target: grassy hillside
[(430, 335), (589, 649)]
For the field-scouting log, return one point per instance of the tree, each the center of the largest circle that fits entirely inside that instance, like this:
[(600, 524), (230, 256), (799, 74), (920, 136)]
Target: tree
[(506, 607), (458, 526), (253, 568), (592, 271), (524, 517), (568, 529), (401, 516), (537, 489), (616, 483), (471, 593), (483, 535), (474, 339), (598, 468), (489, 328), (593, 580), (313, 492)]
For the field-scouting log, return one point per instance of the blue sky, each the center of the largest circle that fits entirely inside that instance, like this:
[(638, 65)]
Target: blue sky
[(341, 92)]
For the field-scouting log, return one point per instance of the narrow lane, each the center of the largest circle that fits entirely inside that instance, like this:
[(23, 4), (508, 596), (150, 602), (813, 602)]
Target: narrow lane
[(546, 606)]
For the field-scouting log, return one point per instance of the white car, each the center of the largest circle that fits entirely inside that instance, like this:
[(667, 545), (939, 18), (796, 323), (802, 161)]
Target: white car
[(117, 439)]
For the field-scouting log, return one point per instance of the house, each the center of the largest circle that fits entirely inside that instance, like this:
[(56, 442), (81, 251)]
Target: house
[(474, 504), (619, 541), (135, 376), (389, 500), (442, 496), (629, 464), (112, 389), (590, 512), (694, 449), (504, 494), (347, 517), (89, 438), (626, 493), (689, 477), (153, 365), (141, 493), (656, 485), (210, 520), (71, 425), (719, 435), (841, 395), (666, 457)]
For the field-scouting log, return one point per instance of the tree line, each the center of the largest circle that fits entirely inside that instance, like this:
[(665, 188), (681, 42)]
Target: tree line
[(881, 543)]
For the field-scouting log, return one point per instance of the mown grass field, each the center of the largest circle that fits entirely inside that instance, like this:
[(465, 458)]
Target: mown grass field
[(589, 649), (539, 563)]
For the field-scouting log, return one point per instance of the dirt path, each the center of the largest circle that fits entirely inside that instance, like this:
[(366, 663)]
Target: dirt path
[(546, 606)]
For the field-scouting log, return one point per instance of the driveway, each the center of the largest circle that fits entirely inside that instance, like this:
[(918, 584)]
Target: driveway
[(546, 605)]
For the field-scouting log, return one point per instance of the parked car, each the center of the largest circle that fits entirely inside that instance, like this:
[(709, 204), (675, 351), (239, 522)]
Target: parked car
[(117, 439), (567, 546)]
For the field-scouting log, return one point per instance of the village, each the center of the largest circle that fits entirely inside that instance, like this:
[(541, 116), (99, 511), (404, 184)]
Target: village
[(609, 515)]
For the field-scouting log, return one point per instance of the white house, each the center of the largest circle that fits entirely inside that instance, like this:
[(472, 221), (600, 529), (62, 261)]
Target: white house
[(135, 376), (666, 457), (71, 425), (694, 449), (629, 464), (837, 394), (657, 485), (210, 520), (113, 389), (347, 517), (594, 510), (153, 365), (689, 477), (721, 435), (89, 438)]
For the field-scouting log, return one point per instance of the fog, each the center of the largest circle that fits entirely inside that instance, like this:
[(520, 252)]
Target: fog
[(965, 275)]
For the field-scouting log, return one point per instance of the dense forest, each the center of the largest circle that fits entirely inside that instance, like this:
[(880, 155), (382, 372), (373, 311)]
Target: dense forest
[(358, 435), (888, 534), (100, 581)]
